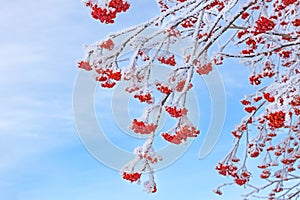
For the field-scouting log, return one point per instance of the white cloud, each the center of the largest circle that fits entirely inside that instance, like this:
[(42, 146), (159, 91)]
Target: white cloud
[(34, 108), (28, 127), (18, 54)]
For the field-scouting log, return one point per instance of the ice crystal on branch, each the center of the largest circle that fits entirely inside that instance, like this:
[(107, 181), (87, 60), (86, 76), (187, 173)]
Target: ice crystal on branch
[(262, 34)]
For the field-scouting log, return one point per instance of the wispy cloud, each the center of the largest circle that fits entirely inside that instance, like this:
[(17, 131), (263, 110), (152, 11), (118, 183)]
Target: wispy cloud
[(36, 97)]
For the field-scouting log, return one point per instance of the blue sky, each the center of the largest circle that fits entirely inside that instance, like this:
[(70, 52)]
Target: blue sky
[(41, 155)]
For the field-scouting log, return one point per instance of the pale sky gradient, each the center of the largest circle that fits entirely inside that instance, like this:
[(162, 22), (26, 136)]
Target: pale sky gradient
[(41, 155)]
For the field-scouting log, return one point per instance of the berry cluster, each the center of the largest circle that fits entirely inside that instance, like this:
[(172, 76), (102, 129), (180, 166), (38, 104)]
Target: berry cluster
[(288, 2), (250, 109), (218, 192), (202, 35), (108, 77), (142, 128), (288, 161), (169, 61), (297, 111), (295, 101), (174, 112), (247, 51), (119, 5), (245, 102), (218, 4), (188, 22), (163, 6), (241, 180), (277, 190), (205, 69), (84, 65), (154, 189), (276, 119), (288, 63), (254, 150), (255, 79), (263, 25), (251, 43), (268, 97), (256, 99), (108, 44), (231, 170), (163, 89), (245, 15), (172, 32), (132, 89), (150, 186), (103, 14), (108, 84), (181, 135), (218, 60), (265, 174), (285, 54), (236, 134), (171, 138), (268, 70), (143, 55), (180, 85), (242, 32), (149, 158), (109, 13), (147, 98), (296, 22), (132, 177)]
